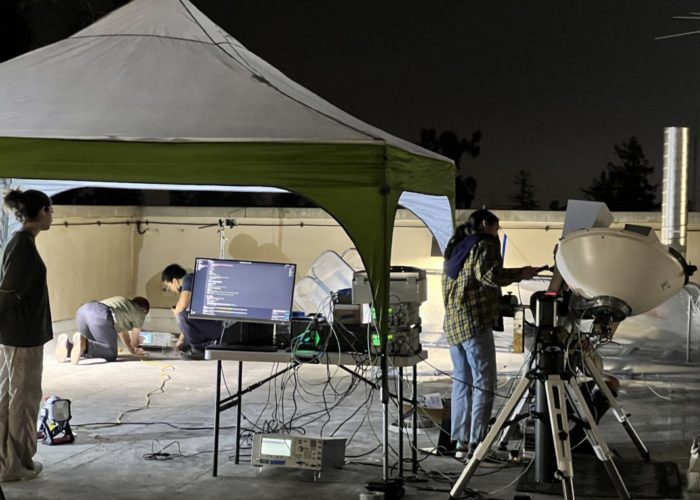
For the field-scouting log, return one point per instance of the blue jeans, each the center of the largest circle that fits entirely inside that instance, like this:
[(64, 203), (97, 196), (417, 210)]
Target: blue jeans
[(199, 333), (474, 368)]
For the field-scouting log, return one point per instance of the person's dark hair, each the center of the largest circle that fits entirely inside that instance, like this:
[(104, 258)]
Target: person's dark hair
[(172, 272), (474, 225), (142, 303), (26, 205)]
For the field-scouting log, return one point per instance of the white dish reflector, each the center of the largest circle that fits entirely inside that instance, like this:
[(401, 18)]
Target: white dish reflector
[(629, 265)]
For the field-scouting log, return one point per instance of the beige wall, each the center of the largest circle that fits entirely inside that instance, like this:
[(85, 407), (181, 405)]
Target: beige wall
[(260, 239), (88, 262)]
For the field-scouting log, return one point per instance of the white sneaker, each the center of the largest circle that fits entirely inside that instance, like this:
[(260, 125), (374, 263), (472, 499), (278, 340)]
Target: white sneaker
[(26, 474), (462, 451), (79, 348), (62, 347), (38, 467)]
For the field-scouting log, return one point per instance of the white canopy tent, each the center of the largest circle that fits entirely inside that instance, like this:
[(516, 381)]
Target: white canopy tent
[(157, 93), (160, 71)]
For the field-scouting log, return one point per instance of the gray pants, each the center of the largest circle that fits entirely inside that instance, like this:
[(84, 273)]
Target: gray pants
[(95, 322), (20, 397)]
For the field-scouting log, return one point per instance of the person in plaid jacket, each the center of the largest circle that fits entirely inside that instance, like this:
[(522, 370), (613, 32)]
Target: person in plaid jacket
[(472, 276)]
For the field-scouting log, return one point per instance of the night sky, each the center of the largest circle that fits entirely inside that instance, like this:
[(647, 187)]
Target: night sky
[(553, 86)]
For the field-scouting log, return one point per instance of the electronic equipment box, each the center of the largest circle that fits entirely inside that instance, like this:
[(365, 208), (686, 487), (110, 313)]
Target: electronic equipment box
[(298, 451), (151, 340), (406, 284)]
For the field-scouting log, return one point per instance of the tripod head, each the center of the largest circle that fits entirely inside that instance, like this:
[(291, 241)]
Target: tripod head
[(229, 223), (558, 317), (223, 224), (548, 348)]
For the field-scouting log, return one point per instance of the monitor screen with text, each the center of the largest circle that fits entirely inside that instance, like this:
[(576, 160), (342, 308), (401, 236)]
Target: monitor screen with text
[(241, 290)]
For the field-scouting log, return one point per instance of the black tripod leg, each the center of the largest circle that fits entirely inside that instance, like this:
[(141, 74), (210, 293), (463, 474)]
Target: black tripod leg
[(596, 439), (559, 424), (485, 445), (620, 414)]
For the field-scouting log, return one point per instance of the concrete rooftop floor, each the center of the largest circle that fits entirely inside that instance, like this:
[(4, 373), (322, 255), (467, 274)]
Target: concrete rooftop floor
[(107, 461)]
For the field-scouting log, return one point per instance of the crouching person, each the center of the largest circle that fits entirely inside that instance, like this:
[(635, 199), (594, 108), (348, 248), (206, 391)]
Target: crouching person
[(99, 325), (195, 334)]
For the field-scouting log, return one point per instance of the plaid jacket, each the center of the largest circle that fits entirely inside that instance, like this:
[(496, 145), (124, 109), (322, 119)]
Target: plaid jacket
[(472, 300)]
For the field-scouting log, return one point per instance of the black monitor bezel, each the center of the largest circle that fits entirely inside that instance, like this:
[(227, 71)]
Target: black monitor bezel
[(235, 319)]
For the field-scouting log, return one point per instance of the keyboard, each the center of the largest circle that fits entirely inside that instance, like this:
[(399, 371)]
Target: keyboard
[(245, 347)]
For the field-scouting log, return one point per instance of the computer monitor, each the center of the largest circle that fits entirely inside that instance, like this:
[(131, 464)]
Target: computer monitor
[(242, 290)]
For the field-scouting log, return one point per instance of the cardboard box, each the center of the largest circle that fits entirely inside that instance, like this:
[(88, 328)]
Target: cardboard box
[(436, 415)]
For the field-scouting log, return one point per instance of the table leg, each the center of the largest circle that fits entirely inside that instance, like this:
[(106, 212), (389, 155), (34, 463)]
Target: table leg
[(238, 411), (414, 403), (401, 424), (217, 414)]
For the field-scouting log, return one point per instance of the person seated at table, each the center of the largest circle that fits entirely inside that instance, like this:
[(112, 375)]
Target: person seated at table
[(99, 324), (195, 334)]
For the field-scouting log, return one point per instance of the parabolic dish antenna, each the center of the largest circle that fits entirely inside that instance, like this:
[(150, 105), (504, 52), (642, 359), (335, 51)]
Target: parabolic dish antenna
[(621, 267)]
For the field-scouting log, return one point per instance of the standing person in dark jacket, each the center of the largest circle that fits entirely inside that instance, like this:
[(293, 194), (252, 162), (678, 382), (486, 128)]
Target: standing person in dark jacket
[(25, 326), (472, 277)]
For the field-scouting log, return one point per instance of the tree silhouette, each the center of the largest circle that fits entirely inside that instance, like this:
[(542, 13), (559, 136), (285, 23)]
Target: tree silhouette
[(556, 205), (448, 144), (626, 187), (524, 196)]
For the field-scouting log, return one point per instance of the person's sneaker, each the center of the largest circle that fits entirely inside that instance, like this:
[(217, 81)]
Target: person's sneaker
[(462, 451), (63, 348), (79, 348), (25, 474), (193, 355), (36, 470)]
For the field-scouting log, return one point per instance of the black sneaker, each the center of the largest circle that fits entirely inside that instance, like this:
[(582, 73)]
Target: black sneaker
[(193, 355)]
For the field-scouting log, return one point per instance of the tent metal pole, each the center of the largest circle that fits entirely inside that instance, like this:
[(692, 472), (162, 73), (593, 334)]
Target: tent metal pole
[(383, 333), (385, 408), (381, 298)]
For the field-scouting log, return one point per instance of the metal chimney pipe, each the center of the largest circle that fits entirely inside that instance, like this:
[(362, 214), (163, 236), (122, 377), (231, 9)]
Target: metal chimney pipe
[(674, 204)]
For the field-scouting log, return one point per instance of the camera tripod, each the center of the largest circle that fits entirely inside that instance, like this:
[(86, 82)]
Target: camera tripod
[(620, 414), (554, 386)]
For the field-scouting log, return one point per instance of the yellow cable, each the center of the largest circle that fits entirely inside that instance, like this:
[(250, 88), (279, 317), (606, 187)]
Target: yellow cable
[(164, 377)]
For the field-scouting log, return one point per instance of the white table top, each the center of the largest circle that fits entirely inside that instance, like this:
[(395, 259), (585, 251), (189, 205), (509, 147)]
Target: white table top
[(332, 358)]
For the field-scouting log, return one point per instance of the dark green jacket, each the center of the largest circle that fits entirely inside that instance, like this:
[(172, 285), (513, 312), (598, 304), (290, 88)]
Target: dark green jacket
[(25, 315)]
